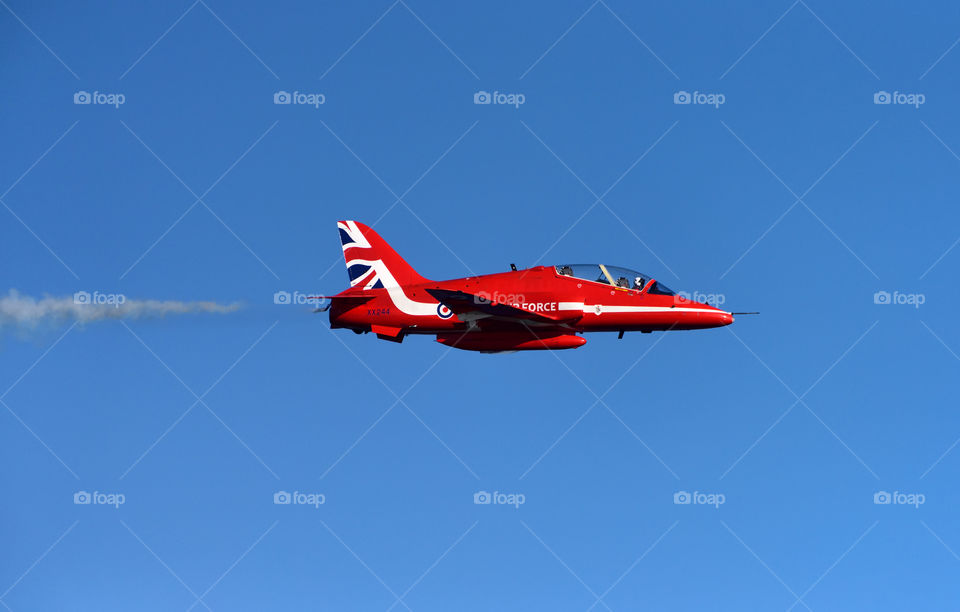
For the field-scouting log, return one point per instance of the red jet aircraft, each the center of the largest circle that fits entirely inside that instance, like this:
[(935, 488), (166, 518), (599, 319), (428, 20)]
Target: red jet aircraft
[(540, 308)]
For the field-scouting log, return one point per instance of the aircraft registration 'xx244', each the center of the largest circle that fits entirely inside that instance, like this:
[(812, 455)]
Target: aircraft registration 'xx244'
[(540, 308)]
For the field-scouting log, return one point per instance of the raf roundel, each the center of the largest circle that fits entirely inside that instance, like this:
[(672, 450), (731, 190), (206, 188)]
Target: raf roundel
[(443, 311)]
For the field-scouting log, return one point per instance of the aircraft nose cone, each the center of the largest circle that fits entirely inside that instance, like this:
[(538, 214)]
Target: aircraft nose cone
[(721, 318)]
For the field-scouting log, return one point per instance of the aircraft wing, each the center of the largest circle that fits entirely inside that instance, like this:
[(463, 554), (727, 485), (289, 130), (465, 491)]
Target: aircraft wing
[(463, 303)]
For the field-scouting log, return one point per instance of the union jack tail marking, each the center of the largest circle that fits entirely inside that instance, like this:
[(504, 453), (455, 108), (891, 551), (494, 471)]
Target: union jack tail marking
[(371, 262)]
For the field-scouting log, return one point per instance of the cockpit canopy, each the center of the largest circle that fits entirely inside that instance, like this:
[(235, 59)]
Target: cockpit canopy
[(613, 275)]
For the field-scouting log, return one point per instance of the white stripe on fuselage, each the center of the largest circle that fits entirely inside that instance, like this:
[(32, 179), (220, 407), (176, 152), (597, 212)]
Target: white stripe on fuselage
[(429, 309), (607, 309), (604, 308)]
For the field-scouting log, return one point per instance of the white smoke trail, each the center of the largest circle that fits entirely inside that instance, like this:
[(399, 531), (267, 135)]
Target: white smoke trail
[(23, 311)]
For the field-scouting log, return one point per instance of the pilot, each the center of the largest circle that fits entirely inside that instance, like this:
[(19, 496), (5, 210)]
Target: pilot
[(638, 283), (566, 271), (623, 282)]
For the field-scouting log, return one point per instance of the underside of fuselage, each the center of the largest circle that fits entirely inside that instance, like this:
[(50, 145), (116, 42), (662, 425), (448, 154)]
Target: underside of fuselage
[(485, 332)]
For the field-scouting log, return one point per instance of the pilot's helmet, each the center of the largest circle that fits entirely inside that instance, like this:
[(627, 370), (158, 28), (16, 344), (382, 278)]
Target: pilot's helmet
[(638, 282)]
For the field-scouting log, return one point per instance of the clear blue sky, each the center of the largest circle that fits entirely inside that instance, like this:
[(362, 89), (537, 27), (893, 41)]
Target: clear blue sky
[(798, 196)]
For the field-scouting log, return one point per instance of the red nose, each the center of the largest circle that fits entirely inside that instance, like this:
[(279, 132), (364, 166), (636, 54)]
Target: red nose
[(714, 317)]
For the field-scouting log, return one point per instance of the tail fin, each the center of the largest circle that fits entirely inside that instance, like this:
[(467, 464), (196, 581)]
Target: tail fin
[(371, 262)]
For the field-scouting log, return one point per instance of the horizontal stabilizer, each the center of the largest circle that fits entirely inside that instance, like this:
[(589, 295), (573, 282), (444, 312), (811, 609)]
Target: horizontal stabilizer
[(342, 299), (343, 302)]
